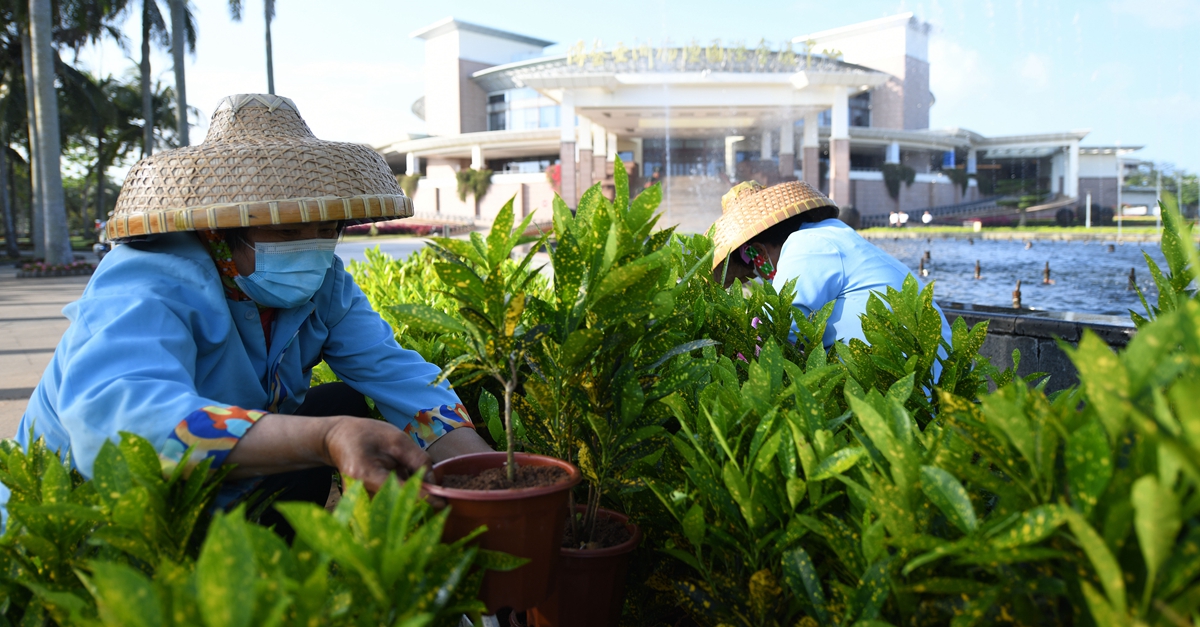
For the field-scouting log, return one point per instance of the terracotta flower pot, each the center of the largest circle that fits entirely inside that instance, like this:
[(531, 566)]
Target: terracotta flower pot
[(591, 583), (527, 522)]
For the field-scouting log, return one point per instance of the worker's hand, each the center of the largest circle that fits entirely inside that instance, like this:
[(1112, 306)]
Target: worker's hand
[(367, 450)]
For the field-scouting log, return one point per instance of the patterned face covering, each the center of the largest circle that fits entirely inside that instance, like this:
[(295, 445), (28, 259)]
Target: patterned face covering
[(761, 263)]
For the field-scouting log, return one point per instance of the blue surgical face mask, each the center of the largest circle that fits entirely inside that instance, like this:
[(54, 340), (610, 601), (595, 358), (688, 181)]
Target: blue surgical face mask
[(287, 274)]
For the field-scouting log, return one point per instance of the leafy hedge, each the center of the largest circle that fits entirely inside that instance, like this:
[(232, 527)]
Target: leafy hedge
[(135, 547), (882, 483)]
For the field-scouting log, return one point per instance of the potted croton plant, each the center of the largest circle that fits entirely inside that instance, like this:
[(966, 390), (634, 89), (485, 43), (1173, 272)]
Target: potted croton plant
[(521, 498), (611, 346)]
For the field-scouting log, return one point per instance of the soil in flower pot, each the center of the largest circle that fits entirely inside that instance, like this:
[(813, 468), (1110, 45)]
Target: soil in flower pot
[(526, 520), (590, 590), (497, 479)]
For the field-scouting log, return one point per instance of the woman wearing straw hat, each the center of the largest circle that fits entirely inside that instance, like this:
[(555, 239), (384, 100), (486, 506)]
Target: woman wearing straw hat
[(203, 328), (791, 231)]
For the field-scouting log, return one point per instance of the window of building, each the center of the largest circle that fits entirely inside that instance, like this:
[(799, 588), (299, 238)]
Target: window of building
[(523, 165), (521, 110), (860, 109), (496, 121)]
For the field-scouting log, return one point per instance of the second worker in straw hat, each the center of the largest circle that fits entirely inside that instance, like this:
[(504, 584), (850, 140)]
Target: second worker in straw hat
[(791, 231), (202, 329)]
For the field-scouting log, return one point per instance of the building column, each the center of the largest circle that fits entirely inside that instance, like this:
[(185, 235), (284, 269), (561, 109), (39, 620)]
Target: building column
[(599, 153), (637, 153), (787, 149), (731, 156), (764, 152), (612, 147), (584, 146), (972, 169), (893, 153), (1073, 170), (839, 150), (811, 159), (412, 164), (477, 162), (566, 150)]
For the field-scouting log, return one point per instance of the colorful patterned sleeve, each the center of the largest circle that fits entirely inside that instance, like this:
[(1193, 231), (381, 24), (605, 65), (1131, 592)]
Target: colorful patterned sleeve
[(431, 424), (214, 431)]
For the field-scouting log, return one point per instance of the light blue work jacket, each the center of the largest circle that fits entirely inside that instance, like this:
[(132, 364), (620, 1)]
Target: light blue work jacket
[(153, 339), (831, 262)]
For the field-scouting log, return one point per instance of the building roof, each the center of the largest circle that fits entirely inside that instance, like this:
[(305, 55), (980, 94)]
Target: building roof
[(1107, 150), (575, 72), (860, 27), (441, 27)]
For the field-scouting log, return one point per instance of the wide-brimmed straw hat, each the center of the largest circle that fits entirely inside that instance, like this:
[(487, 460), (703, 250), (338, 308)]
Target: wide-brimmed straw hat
[(259, 164), (749, 209)]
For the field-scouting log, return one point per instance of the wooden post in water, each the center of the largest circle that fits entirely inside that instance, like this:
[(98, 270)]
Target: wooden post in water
[(1017, 296), (1046, 280), (977, 273), (1132, 280)]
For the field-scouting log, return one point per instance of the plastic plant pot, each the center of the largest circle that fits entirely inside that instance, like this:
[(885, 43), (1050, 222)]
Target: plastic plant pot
[(591, 583), (526, 522)]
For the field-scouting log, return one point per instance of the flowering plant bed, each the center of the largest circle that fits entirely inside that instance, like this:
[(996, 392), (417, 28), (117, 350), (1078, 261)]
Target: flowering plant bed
[(37, 269)]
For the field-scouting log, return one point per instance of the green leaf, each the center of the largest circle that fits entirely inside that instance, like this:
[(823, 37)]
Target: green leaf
[(873, 591), (752, 510), (837, 463), (620, 185), (1089, 466), (125, 596), (1105, 565), (499, 244), (946, 492), (802, 578), (489, 409), (1102, 612), (579, 346), (498, 560), (1035, 525), (1157, 522), (225, 574), (693, 526), (428, 318)]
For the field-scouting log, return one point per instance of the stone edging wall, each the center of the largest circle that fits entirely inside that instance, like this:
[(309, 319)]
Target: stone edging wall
[(1036, 335)]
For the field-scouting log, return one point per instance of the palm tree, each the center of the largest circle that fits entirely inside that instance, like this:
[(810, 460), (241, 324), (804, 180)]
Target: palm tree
[(57, 237), (153, 29), (182, 23), (36, 220), (235, 10)]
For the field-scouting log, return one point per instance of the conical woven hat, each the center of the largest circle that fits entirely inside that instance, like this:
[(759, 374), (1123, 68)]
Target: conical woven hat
[(259, 164), (749, 209)]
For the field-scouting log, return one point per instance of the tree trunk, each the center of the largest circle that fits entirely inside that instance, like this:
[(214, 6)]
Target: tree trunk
[(269, 7), (58, 237), (147, 90), (1021, 218), (36, 221), (178, 42), (100, 177), (10, 220)]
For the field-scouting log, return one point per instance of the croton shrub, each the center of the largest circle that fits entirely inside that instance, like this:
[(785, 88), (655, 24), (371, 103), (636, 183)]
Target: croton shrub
[(880, 482)]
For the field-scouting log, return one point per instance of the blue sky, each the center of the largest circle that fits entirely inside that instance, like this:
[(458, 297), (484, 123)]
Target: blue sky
[(1126, 69)]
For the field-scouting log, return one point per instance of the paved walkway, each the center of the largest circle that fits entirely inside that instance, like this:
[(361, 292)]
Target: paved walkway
[(31, 323)]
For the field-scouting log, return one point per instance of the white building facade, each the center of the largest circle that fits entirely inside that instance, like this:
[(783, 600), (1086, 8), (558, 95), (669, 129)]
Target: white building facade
[(699, 119)]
